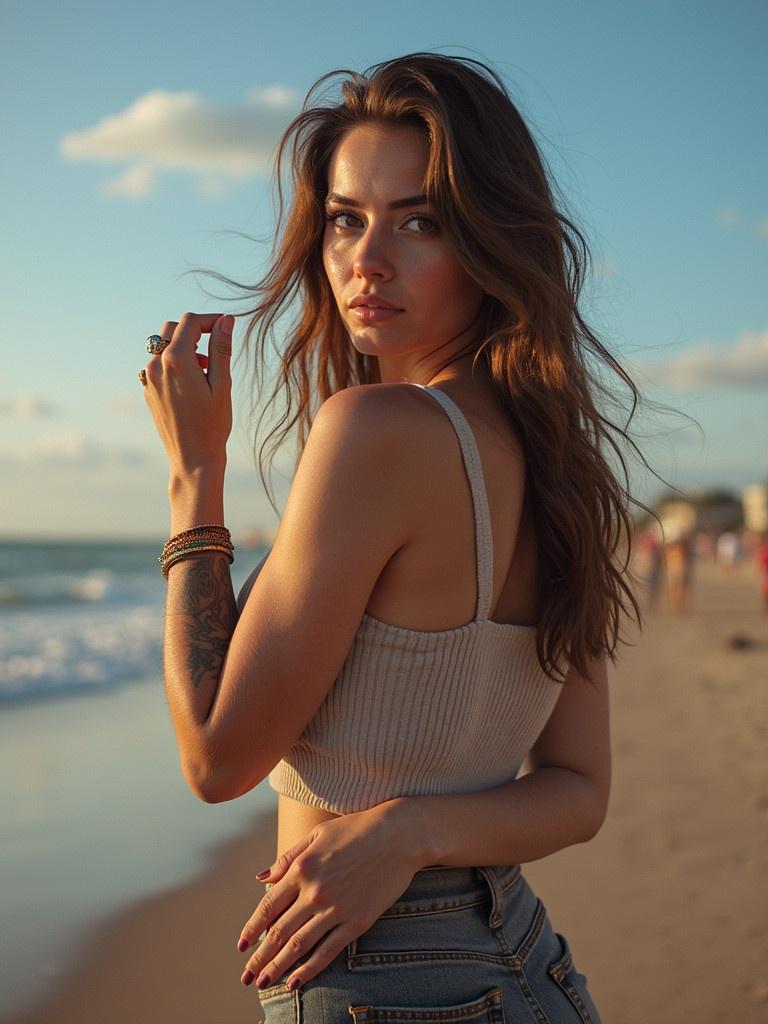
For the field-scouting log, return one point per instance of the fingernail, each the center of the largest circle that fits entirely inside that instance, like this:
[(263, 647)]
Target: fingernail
[(243, 945), (262, 981), (293, 984), (226, 324), (263, 874), (247, 977)]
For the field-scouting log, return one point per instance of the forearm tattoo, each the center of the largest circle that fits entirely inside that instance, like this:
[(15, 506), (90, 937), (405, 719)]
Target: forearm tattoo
[(201, 616)]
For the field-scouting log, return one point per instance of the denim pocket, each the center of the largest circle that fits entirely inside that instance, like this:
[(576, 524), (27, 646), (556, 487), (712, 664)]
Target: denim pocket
[(279, 1005), (573, 984), (486, 1010)]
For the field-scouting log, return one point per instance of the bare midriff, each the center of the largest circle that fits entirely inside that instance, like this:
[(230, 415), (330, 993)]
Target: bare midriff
[(295, 819)]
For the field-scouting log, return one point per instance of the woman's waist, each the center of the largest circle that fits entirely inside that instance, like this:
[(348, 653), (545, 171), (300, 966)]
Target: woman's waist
[(308, 779), (451, 885), (295, 818)]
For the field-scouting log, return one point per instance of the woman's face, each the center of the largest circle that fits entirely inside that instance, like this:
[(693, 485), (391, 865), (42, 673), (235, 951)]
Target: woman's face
[(399, 287)]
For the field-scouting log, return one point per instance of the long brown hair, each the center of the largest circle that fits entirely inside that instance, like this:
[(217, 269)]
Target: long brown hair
[(487, 182)]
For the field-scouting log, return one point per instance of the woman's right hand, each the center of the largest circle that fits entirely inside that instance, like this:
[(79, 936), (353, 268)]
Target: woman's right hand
[(329, 889)]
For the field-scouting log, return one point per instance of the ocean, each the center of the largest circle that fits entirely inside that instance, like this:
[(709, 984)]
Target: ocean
[(95, 811), (83, 616)]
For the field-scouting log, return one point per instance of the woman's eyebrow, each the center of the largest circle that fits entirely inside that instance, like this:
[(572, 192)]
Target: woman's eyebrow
[(334, 197)]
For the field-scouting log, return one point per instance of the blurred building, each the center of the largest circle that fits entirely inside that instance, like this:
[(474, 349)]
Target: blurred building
[(754, 500), (697, 511), (678, 518)]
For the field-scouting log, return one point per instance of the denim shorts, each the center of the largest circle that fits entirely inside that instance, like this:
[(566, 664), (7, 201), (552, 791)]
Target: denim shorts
[(460, 944)]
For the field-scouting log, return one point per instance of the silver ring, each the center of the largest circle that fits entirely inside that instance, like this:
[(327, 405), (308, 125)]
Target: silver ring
[(155, 344)]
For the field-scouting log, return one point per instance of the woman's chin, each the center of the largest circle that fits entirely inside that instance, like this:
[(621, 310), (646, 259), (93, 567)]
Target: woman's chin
[(376, 341)]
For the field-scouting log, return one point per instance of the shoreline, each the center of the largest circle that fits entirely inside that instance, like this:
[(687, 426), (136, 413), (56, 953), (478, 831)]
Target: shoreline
[(677, 871), (96, 817), (170, 956)]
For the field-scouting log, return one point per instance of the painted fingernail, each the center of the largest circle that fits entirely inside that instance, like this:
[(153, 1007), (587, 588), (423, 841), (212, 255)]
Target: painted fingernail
[(247, 977), (243, 945), (262, 981), (263, 874), (293, 984)]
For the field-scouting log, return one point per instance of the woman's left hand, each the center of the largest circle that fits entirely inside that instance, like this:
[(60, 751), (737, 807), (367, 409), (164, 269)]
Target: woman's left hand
[(192, 409), (331, 886)]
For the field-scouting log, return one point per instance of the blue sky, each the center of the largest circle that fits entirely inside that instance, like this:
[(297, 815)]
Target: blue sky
[(135, 139)]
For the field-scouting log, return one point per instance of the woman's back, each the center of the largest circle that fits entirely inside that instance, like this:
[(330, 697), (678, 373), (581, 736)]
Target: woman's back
[(431, 586)]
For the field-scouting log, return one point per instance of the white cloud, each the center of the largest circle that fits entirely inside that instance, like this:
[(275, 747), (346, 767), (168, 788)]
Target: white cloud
[(742, 366), (136, 182), (181, 131), (274, 97), (26, 407), (71, 448)]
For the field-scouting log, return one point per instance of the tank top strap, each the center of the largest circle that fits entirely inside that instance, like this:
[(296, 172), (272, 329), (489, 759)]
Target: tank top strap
[(474, 468)]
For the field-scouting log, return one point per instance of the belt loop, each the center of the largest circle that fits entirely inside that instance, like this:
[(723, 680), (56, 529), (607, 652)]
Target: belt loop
[(491, 877)]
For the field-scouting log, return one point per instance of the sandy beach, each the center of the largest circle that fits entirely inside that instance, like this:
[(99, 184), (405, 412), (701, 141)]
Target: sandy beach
[(666, 909)]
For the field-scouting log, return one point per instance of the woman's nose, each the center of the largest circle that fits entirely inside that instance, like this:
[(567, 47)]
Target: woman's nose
[(372, 257)]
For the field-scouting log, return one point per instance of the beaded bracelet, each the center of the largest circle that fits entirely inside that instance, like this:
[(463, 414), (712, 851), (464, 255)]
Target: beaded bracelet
[(209, 531), (213, 529), (181, 555), (218, 535), (207, 537)]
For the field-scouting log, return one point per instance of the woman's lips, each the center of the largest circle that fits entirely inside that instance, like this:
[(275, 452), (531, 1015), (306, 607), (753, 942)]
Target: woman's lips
[(374, 314)]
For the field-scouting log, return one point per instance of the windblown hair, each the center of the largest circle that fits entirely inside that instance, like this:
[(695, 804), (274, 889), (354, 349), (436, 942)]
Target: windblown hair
[(487, 183)]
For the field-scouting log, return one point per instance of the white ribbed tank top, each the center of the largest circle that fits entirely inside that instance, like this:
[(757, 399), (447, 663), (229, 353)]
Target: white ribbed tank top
[(415, 712)]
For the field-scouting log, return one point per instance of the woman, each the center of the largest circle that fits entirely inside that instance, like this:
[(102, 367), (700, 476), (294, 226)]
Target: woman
[(444, 591)]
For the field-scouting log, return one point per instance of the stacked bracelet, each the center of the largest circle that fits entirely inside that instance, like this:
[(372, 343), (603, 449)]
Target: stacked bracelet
[(208, 537)]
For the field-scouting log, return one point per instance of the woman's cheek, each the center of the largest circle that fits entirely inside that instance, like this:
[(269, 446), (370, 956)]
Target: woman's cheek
[(335, 261)]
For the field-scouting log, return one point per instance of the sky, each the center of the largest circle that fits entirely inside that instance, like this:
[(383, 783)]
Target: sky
[(137, 142)]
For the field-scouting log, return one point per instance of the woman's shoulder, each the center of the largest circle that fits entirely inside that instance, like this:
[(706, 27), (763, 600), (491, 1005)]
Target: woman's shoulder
[(378, 417), (403, 426), (376, 400)]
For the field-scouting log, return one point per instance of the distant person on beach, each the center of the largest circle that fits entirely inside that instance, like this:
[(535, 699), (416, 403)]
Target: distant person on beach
[(762, 564), (650, 563), (729, 551), (419, 666), (678, 558)]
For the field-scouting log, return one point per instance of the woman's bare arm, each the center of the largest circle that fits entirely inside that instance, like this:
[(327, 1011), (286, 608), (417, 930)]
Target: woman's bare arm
[(530, 818), (201, 613), (242, 688)]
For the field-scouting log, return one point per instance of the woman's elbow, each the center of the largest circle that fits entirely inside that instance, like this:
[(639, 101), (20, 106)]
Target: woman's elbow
[(209, 795), (216, 787), (596, 819)]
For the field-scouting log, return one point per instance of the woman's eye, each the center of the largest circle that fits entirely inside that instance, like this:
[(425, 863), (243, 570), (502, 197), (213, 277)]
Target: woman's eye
[(334, 218), (426, 225)]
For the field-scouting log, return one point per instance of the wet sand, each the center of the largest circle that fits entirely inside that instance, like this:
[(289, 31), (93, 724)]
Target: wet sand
[(666, 909)]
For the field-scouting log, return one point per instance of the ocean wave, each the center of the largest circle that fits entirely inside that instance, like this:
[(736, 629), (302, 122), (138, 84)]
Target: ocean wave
[(81, 616), (70, 650), (97, 585)]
